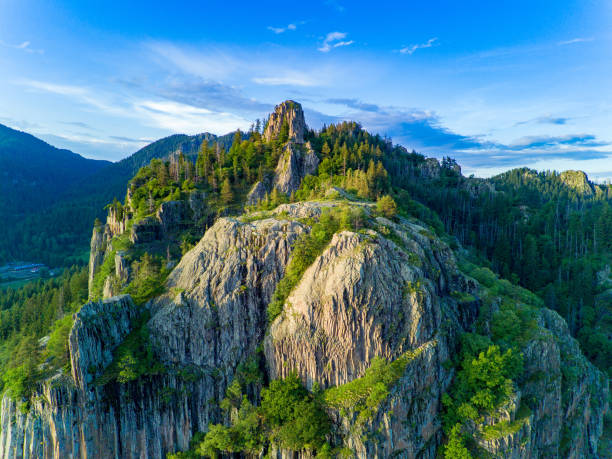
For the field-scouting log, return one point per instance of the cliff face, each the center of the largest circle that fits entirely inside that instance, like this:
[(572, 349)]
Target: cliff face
[(225, 283), (568, 394), (367, 297), (290, 113), (212, 319), (297, 162), (161, 229), (337, 319), (392, 291)]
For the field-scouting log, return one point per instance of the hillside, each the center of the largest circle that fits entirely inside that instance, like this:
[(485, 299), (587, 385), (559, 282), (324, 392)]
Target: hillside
[(320, 294), (53, 226), (35, 174)]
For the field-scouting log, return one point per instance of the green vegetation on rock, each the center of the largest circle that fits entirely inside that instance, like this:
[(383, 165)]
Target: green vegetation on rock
[(364, 395), (289, 417)]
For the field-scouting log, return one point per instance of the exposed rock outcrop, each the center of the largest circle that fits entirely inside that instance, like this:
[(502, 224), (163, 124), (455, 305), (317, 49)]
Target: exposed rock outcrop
[(296, 162), (71, 417), (291, 113), (97, 250), (226, 281), (430, 168), (170, 219), (337, 319), (368, 297), (258, 192), (578, 181), (386, 292)]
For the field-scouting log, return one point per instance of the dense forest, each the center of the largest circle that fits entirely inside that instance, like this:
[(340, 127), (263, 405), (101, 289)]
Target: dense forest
[(542, 231), (39, 310)]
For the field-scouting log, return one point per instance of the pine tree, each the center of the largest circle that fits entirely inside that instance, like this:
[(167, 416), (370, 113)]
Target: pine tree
[(227, 195), (325, 150)]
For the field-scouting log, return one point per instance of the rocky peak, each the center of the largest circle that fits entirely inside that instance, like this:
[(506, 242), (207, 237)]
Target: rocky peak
[(577, 180), (289, 112)]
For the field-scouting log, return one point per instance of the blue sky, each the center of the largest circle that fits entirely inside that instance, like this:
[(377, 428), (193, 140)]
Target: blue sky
[(495, 84)]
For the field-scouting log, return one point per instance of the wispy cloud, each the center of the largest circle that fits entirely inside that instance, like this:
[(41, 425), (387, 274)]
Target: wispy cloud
[(334, 40), (288, 79), (130, 140), (575, 40), (182, 118), (77, 93), (220, 69), (199, 92), (356, 104), (548, 119), (24, 46), (412, 48), (170, 114), (545, 141), (78, 124), (552, 120), (279, 30)]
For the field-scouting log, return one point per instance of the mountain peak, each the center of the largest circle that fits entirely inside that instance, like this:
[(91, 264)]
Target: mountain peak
[(291, 113), (577, 180)]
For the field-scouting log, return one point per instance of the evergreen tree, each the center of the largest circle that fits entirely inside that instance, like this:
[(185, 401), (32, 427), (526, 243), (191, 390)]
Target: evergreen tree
[(227, 194)]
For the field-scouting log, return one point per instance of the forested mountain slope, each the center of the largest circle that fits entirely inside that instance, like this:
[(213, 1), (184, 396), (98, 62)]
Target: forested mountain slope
[(35, 174), (319, 294), (57, 233)]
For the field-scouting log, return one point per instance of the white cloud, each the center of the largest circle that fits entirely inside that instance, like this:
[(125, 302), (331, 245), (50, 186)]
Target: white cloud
[(78, 93), (171, 115), (186, 119), (64, 90), (213, 63), (575, 40), (24, 46), (279, 30), (289, 79), (334, 40), (267, 67), (412, 48)]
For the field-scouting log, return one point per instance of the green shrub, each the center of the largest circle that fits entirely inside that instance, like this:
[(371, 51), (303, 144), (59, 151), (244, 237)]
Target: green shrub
[(133, 358), (455, 448), (21, 376), (57, 346), (295, 417), (149, 275), (386, 206)]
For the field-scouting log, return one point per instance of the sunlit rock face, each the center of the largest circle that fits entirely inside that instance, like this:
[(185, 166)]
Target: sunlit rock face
[(290, 112)]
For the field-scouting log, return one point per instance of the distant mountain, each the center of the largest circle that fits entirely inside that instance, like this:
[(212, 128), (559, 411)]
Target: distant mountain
[(51, 214), (34, 174)]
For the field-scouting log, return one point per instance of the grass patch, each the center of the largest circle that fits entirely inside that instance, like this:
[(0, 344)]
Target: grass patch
[(364, 395), (106, 269)]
